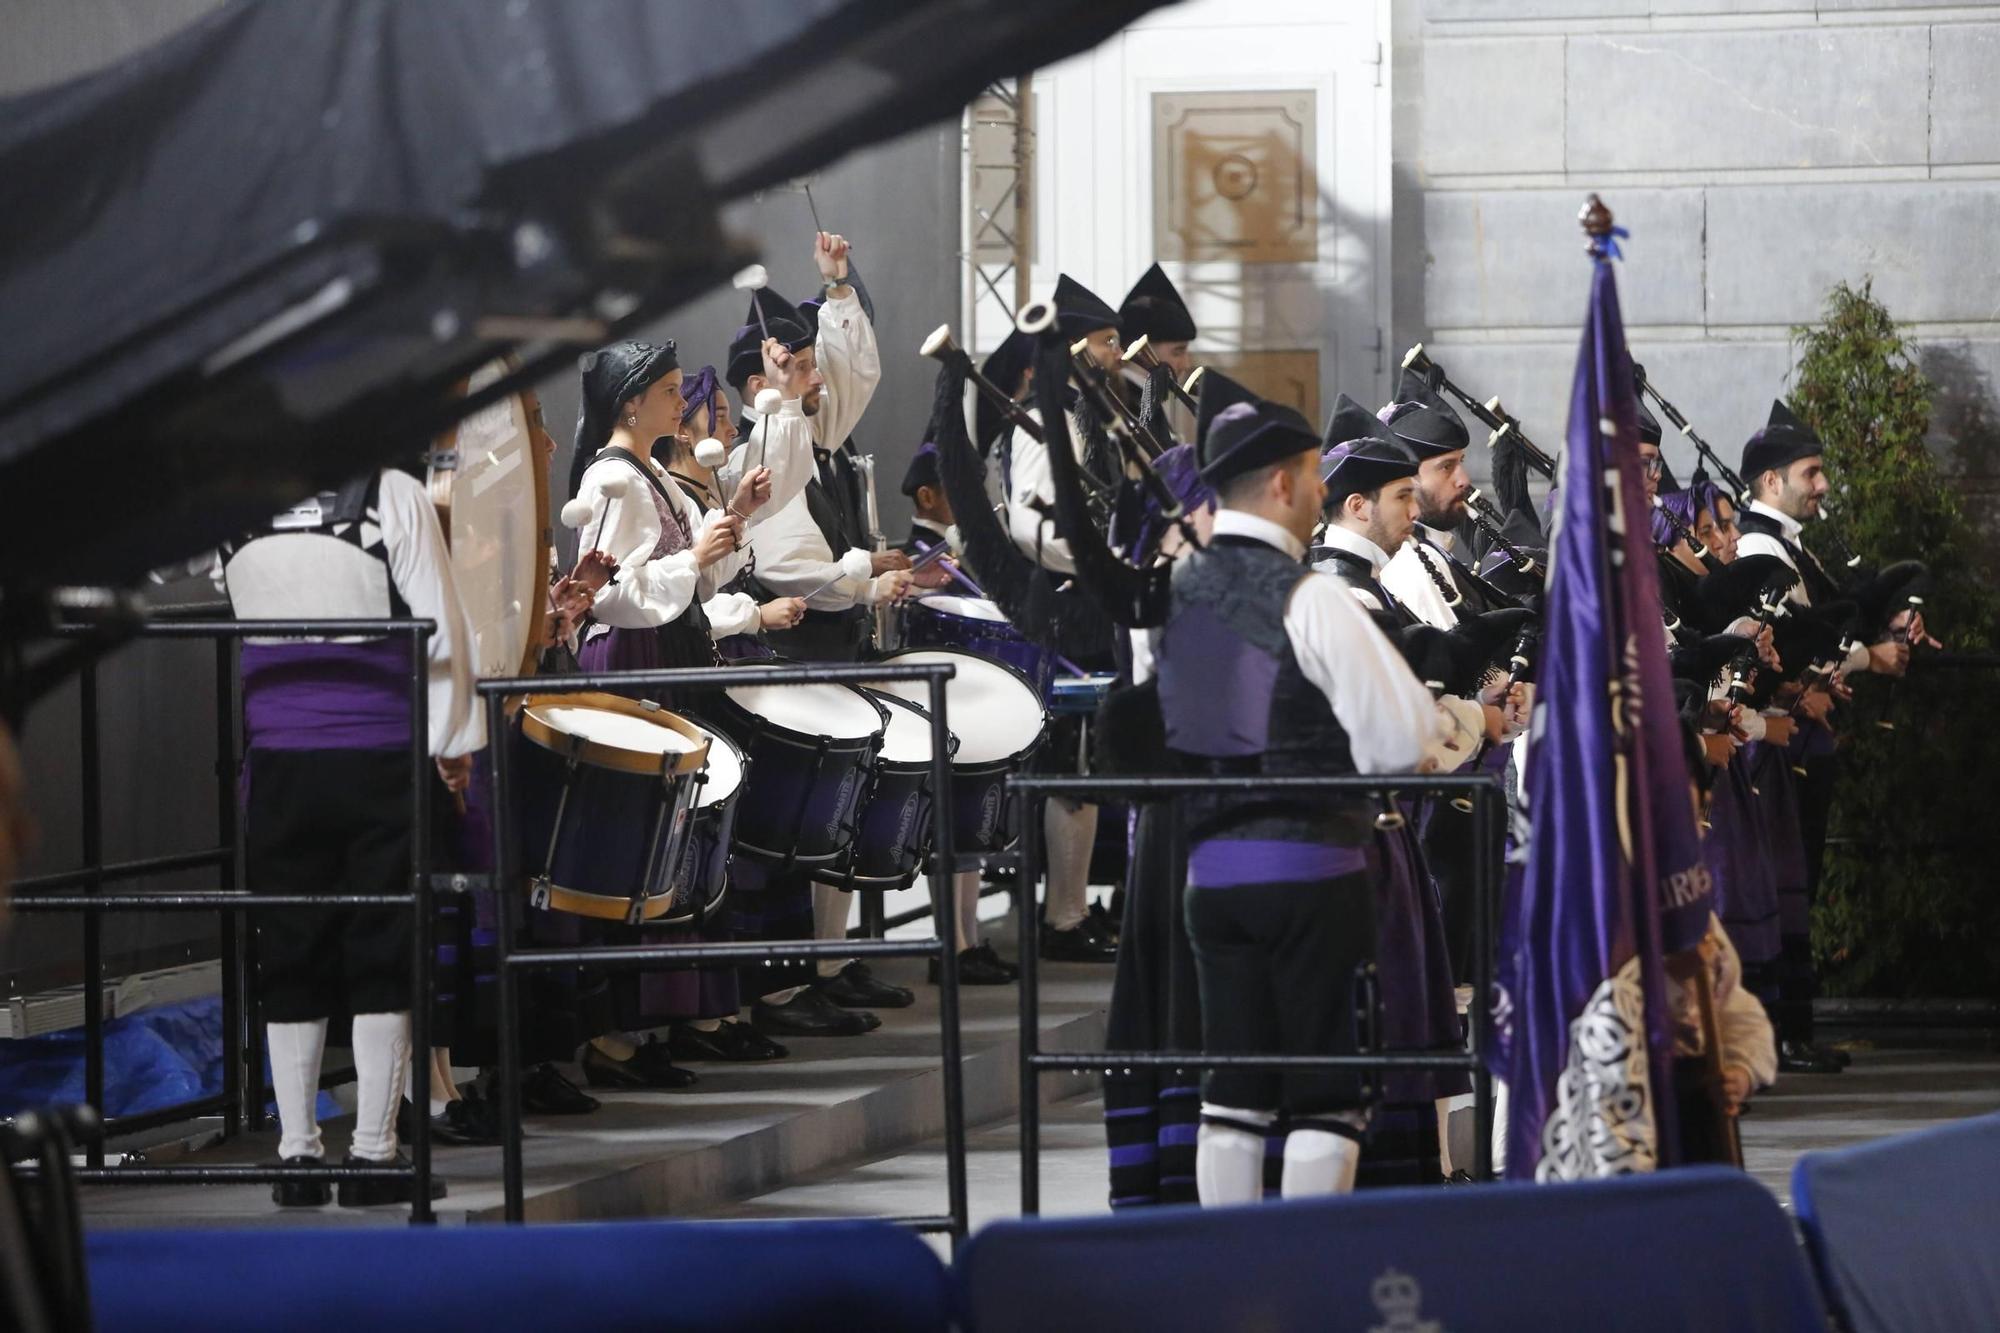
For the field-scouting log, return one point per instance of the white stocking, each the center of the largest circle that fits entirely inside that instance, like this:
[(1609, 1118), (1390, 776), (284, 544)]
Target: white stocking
[(296, 1050), (831, 908), (1070, 831), (1228, 1158), (381, 1062)]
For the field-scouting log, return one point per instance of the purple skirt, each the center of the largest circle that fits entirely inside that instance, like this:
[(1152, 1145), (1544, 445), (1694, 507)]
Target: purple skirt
[(1737, 852), (1419, 1005)]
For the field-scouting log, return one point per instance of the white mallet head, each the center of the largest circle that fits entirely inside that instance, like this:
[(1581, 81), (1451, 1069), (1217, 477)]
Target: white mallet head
[(576, 513), (710, 453), (752, 279), (856, 564), (614, 487), (768, 402)]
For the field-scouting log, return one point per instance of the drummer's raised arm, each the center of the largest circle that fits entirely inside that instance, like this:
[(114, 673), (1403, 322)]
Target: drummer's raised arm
[(848, 355), (781, 442), (648, 592), (420, 564)]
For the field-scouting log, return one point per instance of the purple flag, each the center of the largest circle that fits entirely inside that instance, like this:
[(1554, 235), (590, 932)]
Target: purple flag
[(1614, 878)]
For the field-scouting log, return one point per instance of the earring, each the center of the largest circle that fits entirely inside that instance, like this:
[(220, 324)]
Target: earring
[(632, 420)]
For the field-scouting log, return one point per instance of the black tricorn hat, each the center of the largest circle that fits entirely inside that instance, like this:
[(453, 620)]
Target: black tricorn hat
[(1215, 393), (1080, 312), (1154, 309), (786, 322), (1784, 440)]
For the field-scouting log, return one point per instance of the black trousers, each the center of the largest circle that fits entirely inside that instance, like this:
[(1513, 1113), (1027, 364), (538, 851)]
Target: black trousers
[(327, 822), (1277, 966)]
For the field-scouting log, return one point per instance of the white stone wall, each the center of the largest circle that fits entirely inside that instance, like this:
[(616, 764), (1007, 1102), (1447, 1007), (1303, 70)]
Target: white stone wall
[(1759, 151)]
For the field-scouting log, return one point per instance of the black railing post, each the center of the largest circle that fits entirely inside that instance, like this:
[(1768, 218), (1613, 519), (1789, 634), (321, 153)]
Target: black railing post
[(228, 925), (504, 896), (1486, 872), (944, 900), (1028, 870), (420, 907), (93, 923)]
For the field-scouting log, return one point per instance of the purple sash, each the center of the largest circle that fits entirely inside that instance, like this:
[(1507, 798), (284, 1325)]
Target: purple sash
[(326, 696)]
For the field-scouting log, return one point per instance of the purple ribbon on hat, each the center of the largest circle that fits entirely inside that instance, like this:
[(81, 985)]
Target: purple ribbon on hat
[(699, 391)]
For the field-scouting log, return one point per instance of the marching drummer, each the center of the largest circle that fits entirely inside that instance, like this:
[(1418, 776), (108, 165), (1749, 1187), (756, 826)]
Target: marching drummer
[(808, 549)]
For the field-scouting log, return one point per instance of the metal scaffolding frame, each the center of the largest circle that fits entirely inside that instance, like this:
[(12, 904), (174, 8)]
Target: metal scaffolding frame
[(999, 237)]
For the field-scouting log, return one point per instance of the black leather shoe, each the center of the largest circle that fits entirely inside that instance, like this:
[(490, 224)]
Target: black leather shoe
[(371, 1193), (546, 1092), (301, 1193), (1105, 921), (734, 1042), (1835, 1054), (1801, 1057), (651, 1066), (855, 987), (811, 1014), (980, 966), (1078, 944), (464, 1122)]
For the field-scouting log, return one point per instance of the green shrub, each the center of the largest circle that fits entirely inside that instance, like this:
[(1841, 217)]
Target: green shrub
[(1908, 905)]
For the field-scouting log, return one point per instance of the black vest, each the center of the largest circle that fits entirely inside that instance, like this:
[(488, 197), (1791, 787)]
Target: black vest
[(1820, 585), (350, 515), (1235, 701)]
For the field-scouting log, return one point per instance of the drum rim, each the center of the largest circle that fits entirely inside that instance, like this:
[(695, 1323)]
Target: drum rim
[(602, 754), (742, 761), (1010, 669), (888, 701), (801, 739)]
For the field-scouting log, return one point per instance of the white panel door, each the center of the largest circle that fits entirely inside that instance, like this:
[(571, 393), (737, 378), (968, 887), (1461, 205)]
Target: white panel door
[(1182, 134)]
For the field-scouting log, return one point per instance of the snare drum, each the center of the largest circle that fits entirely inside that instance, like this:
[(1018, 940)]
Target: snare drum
[(998, 720), (976, 626), (607, 790), (895, 832), (808, 747), (702, 877)]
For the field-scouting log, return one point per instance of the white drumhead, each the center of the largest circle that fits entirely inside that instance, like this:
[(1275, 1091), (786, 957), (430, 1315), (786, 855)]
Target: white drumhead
[(498, 559), (972, 608), (837, 711), (991, 710), (908, 740), (724, 769), (623, 730)]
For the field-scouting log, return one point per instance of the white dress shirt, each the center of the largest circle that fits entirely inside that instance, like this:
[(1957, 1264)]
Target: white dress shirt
[(1346, 539), (648, 592), (1464, 719), (1407, 576), (1389, 717), (1031, 483), (306, 576), (793, 558)]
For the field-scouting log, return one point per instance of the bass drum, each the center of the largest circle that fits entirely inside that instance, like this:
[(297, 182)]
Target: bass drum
[(491, 491), (701, 880), (998, 719)]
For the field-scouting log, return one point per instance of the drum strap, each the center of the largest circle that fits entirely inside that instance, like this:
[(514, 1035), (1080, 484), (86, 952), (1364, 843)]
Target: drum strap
[(659, 487)]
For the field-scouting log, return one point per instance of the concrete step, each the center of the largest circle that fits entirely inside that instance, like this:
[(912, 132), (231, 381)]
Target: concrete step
[(744, 1130)]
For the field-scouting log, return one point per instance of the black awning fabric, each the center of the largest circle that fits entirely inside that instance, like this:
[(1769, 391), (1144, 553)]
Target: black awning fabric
[(255, 257)]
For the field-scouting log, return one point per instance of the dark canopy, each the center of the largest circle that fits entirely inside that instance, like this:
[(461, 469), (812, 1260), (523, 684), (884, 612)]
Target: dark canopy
[(254, 259)]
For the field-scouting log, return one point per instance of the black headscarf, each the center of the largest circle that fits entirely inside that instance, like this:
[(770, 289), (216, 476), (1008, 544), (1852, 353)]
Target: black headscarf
[(612, 376)]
